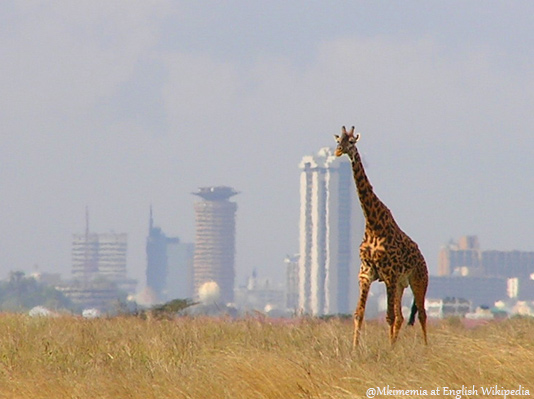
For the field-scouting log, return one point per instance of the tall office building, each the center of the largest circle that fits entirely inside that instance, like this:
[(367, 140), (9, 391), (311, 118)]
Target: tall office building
[(101, 255), (112, 249), (84, 256), (292, 281), (215, 241), (179, 269), (330, 231), (169, 265), (156, 258)]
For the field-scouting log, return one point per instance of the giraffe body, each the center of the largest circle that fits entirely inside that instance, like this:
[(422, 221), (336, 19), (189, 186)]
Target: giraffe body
[(387, 253)]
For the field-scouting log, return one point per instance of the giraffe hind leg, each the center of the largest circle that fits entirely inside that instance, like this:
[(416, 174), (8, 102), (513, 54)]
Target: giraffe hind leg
[(394, 312), (419, 288), (399, 319)]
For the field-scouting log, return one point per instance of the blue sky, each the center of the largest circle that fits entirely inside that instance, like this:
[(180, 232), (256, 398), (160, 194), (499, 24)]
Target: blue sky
[(118, 105)]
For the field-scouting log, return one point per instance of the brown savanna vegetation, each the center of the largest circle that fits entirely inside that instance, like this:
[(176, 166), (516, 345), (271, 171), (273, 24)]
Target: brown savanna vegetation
[(128, 357)]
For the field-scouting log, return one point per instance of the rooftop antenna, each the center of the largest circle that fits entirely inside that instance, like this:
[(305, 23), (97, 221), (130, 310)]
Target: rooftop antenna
[(89, 262), (86, 223), (151, 222)]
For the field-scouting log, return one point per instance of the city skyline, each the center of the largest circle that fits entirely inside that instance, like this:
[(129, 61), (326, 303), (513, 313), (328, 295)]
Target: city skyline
[(117, 107)]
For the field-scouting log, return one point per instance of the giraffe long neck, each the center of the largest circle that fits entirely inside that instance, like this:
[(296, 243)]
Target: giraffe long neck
[(374, 210)]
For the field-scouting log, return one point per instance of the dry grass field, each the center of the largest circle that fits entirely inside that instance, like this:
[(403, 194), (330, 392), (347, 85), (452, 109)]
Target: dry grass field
[(126, 357)]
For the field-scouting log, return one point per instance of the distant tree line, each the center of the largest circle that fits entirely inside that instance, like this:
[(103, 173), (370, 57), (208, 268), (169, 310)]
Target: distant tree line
[(21, 293)]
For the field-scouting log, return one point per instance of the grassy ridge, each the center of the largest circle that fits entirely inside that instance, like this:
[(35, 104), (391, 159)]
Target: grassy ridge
[(213, 358)]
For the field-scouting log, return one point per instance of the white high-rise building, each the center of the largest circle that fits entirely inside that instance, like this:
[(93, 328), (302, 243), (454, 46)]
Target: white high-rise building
[(331, 228)]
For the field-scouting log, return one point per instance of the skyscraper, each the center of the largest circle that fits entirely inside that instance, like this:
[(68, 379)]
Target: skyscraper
[(179, 269), (101, 255), (292, 281), (84, 253), (215, 241), (112, 249), (169, 265), (156, 258), (84, 256), (330, 230)]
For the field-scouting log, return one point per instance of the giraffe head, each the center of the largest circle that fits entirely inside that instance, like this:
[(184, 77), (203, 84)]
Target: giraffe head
[(346, 142)]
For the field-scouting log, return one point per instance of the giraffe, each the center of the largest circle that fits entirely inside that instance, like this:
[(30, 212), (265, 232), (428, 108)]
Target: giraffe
[(386, 252)]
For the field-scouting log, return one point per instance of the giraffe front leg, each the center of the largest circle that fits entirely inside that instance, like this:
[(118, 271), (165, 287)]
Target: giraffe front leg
[(365, 284)]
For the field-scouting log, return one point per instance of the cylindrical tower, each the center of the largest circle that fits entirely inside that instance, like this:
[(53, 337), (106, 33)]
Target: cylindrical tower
[(215, 241)]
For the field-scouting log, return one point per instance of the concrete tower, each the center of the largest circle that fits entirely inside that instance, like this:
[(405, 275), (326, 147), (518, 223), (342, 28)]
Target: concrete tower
[(215, 241)]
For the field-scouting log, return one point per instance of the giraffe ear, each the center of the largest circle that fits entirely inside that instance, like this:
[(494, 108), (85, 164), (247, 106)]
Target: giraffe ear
[(336, 137)]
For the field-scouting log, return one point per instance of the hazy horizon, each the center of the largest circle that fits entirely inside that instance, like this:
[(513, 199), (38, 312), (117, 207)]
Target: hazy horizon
[(121, 105)]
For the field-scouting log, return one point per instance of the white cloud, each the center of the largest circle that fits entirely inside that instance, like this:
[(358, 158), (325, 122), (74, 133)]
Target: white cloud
[(64, 57)]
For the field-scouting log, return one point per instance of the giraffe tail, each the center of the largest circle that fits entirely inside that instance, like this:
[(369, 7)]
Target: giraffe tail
[(411, 321)]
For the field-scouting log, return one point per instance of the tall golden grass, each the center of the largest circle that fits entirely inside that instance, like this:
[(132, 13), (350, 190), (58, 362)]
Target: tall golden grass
[(126, 357)]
